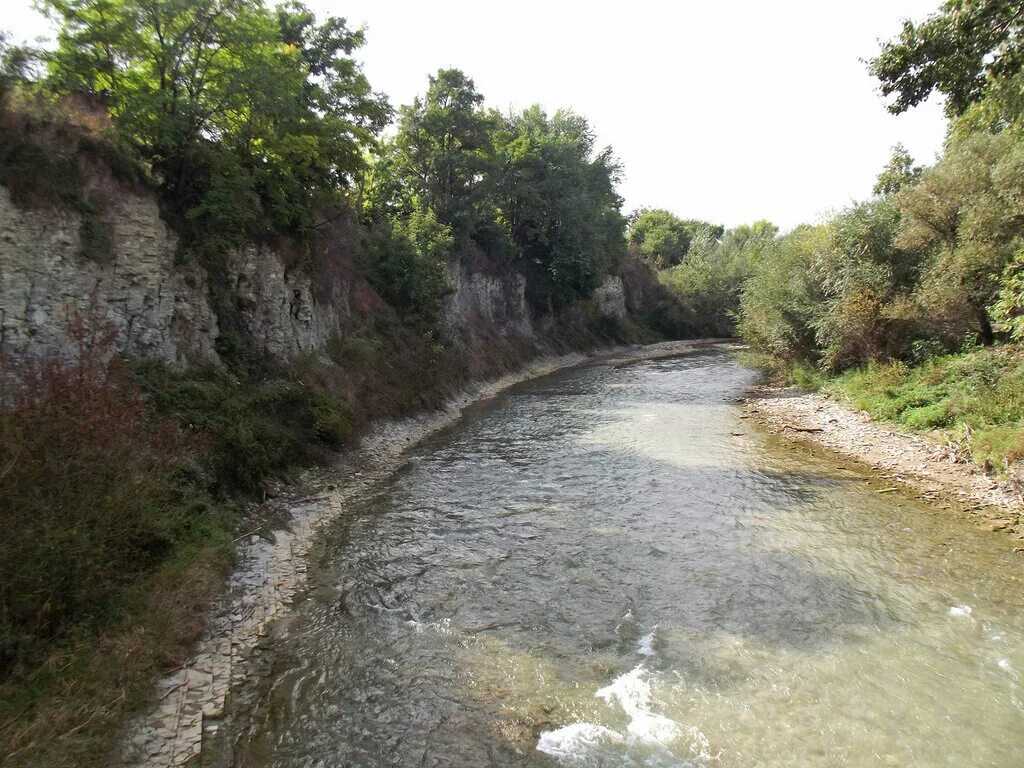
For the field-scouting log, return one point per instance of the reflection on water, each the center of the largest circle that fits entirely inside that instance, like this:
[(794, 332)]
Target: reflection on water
[(609, 568)]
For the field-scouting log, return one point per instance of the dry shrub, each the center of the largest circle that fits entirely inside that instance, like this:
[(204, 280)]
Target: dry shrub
[(86, 494)]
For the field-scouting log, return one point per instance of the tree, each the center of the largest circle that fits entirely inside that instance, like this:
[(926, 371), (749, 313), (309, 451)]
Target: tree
[(710, 280), (411, 264), (783, 299), (1008, 309), (443, 149), (662, 239), (966, 215), (17, 62), (867, 280), (958, 51), (555, 196), (227, 99), (900, 172)]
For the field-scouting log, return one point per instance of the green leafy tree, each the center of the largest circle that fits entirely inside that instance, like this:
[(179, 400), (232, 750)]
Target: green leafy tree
[(555, 196), (966, 216), (867, 280), (662, 239), (17, 63), (411, 264), (443, 150), (227, 99), (959, 51), (1008, 308), (783, 299), (709, 282), (900, 172)]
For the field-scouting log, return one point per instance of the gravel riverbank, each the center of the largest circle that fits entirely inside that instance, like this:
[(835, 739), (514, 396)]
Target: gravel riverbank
[(930, 470)]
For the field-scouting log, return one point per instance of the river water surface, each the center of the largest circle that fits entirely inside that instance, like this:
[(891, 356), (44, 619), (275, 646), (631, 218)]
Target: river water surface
[(608, 567)]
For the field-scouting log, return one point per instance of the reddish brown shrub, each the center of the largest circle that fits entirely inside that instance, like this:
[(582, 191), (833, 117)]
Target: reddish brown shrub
[(86, 494)]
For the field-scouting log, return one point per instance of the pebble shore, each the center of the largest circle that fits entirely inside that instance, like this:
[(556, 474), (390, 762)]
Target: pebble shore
[(929, 470)]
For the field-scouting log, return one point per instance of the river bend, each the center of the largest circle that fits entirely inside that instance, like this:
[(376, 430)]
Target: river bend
[(609, 567)]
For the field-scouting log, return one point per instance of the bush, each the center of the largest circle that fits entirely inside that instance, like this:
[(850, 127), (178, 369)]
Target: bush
[(251, 431), (1008, 310), (782, 301), (91, 498)]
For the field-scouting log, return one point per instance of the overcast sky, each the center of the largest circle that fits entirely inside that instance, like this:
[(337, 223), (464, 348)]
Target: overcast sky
[(723, 110)]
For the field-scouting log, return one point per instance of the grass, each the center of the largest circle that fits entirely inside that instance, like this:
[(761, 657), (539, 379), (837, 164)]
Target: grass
[(975, 399)]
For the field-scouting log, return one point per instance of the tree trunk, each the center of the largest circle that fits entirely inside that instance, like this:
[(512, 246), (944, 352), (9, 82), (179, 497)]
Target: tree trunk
[(985, 333)]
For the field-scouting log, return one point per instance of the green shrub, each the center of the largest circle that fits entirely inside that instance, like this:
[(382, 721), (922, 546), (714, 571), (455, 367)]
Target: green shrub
[(806, 376), (926, 417), (979, 393), (782, 300), (252, 431)]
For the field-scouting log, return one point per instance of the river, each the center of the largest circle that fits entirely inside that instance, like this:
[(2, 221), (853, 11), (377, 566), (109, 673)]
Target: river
[(609, 567)]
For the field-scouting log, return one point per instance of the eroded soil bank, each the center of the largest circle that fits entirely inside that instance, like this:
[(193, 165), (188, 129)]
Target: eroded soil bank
[(927, 469)]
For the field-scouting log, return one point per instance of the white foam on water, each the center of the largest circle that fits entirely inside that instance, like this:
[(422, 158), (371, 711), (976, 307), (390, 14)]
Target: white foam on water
[(700, 747), (652, 728), (574, 742), (443, 627), (645, 646), (960, 610), (1004, 664), (631, 691)]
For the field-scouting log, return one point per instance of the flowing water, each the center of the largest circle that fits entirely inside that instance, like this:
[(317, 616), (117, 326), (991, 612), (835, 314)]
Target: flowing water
[(608, 567)]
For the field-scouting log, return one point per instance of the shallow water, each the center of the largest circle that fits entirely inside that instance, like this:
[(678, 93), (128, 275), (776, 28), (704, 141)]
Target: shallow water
[(608, 567)]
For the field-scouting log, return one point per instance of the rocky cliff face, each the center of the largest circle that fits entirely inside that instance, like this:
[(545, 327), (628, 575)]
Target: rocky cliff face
[(610, 298), (157, 309), (278, 307), (160, 305), (161, 308), (485, 299)]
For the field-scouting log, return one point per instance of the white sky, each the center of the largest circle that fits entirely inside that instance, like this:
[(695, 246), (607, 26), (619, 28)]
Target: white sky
[(719, 109)]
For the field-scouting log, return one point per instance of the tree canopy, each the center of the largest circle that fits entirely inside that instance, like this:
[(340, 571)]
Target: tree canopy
[(662, 239), (229, 100), (443, 149), (958, 51)]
